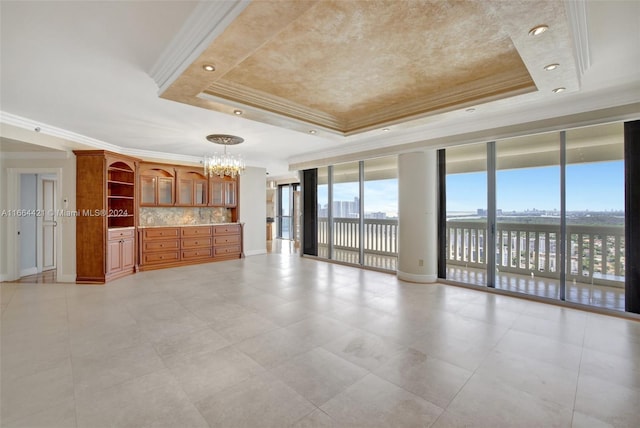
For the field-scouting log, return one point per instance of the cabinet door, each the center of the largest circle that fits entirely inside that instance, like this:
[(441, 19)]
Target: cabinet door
[(165, 191), (200, 189), (148, 193), (185, 192), (230, 194), (128, 253), (217, 193), (114, 257)]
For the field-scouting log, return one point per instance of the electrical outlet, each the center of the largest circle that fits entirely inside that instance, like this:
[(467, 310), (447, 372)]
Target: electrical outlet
[(420, 262)]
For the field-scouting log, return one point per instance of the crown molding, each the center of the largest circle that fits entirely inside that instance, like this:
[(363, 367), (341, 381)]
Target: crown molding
[(151, 155), (595, 108), (35, 155), (207, 21), (23, 122), (577, 16), (470, 93)]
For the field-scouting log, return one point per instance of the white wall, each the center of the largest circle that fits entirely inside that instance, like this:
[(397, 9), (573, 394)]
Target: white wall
[(28, 224), (66, 225), (253, 210)]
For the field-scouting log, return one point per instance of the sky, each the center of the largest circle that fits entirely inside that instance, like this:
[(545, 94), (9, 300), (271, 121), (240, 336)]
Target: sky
[(590, 186)]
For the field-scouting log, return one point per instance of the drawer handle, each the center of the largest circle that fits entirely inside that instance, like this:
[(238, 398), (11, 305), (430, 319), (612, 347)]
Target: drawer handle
[(161, 257), (161, 245), (161, 233), (196, 243)]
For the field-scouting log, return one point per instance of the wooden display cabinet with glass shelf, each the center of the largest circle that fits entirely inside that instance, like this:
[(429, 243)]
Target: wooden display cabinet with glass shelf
[(157, 185), (191, 188), (107, 209)]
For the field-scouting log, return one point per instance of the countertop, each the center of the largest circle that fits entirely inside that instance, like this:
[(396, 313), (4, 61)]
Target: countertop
[(186, 225)]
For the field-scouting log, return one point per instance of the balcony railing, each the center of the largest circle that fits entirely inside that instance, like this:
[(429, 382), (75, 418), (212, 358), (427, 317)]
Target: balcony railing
[(380, 236), (595, 256), (596, 253)]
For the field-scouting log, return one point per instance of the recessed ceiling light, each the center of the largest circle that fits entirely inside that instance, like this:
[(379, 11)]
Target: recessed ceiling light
[(551, 66), (386, 129), (470, 110), (313, 131), (558, 90), (237, 112), (208, 67), (538, 29)]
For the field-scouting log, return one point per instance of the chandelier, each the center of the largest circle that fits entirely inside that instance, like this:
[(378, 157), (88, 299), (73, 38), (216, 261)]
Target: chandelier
[(223, 163)]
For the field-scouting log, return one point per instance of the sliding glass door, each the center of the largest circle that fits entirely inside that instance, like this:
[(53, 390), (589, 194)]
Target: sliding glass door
[(286, 210), (559, 215), (528, 214), (595, 216), (357, 212), (466, 228)]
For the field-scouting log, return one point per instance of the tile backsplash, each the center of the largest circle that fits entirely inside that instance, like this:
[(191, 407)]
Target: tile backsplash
[(177, 216)]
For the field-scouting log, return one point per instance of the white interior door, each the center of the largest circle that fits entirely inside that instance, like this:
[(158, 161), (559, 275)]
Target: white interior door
[(48, 224)]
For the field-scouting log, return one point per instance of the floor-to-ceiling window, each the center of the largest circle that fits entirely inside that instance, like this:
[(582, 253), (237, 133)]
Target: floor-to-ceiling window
[(322, 190), (559, 215), (380, 235), (346, 212), (357, 212), (595, 216), (528, 214), (466, 202), (286, 210)]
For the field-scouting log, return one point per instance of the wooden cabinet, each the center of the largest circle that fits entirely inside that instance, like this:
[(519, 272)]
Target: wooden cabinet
[(106, 202), (224, 192), (157, 185), (165, 185), (160, 245), (227, 241), (120, 251), (176, 246), (196, 242), (192, 187), (121, 179)]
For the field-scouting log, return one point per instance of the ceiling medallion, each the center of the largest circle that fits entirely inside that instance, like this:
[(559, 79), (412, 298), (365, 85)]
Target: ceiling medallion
[(224, 164)]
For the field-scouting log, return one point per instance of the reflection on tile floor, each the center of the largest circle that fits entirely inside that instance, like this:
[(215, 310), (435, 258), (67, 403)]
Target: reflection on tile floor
[(278, 340)]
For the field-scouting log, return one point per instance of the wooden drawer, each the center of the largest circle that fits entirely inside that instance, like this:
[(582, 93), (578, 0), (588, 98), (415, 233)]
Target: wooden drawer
[(196, 231), (173, 244), (164, 257), (203, 241), (227, 251), (228, 229), (226, 240), (161, 233), (198, 253), (120, 233)]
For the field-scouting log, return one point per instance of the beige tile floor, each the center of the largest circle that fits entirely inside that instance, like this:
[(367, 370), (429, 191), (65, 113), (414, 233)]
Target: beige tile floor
[(278, 340)]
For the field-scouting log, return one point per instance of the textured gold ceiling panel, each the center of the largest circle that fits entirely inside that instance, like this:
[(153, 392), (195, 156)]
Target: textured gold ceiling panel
[(350, 66)]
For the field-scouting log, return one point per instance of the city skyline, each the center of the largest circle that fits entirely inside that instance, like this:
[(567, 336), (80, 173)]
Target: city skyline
[(597, 187), (593, 187)]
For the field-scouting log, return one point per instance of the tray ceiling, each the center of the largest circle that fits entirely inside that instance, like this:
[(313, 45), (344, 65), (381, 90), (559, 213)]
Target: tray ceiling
[(352, 66)]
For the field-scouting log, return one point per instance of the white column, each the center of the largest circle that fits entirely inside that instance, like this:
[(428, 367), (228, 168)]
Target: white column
[(417, 216)]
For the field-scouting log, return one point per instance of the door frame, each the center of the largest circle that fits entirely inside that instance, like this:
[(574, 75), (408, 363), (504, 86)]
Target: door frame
[(13, 203), (41, 178)]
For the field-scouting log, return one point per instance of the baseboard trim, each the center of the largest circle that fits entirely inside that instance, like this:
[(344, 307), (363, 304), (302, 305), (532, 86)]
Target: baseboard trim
[(28, 271), (422, 279), (65, 278), (255, 252)]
